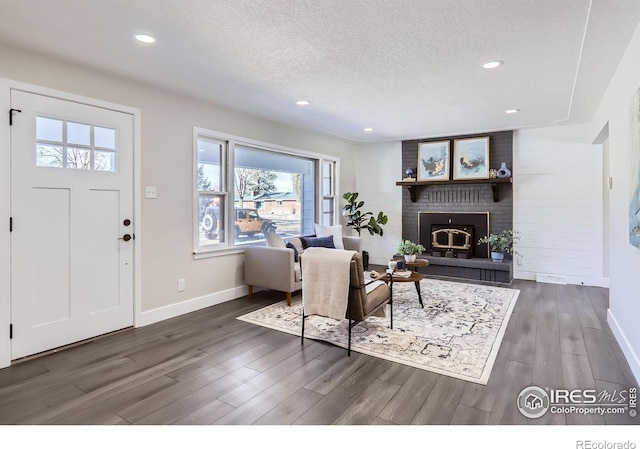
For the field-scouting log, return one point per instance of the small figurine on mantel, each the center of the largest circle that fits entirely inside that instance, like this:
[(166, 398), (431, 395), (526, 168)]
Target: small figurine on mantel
[(493, 173), (409, 175)]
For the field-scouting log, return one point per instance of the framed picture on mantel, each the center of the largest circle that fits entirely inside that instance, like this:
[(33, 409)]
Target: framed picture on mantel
[(433, 161), (471, 158)]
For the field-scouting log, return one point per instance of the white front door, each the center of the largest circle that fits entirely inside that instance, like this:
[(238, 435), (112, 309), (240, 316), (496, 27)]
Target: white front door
[(72, 213)]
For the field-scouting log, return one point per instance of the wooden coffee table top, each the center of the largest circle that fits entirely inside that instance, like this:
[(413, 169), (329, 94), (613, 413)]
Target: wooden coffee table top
[(417, 264), (414, 277)]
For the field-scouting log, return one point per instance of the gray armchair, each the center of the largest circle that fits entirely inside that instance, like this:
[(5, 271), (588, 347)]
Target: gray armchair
[(275, 268)]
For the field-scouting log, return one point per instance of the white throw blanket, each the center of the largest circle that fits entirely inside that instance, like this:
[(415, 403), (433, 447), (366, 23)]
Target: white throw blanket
[(325, 281)]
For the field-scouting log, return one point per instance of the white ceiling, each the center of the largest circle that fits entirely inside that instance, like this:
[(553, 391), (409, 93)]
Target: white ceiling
[(407, 68)]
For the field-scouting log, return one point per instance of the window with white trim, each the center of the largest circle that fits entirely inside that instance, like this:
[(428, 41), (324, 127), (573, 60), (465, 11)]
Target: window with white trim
[(246, 189)]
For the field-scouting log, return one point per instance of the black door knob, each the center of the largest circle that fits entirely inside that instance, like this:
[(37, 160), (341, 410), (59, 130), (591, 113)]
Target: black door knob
[(125, 237), (126, 222)]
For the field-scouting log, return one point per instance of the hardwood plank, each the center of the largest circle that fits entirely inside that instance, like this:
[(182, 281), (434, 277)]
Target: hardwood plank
[(522, 335), (547, 367), (604, 364), (271, 397), (21, 372), (291, 408), (548, 315), (398, 374), (337, 373), (602, 316), (599, 297), (367, 406), (101, 412), (564, 300), (273, 358), (329, 408), (266, 379), (402, 408), (440, 406), (381, 422), (586, 312), (244, 352), (624, 364), (207, 414), (465, 415), (576, 371), (185, 405), (142, 408), (505, 410), (571, 339)]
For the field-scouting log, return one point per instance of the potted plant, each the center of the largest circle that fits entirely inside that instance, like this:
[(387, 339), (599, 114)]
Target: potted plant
[(359, 220), (500, 244), (410, 250)]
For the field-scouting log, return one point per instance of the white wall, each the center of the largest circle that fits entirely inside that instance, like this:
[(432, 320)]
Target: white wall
[(624, 260), (167, 141), (377, 169), (557, 205)]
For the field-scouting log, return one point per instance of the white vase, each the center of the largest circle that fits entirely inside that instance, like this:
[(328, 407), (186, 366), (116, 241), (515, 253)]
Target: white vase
[(409, 258), (503, 171), (497, 257)]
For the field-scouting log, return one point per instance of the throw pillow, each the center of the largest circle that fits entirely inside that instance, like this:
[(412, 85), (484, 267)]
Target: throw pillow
[(274, 240), (297, 243), (295, 251), (325, 242), (334, 231)]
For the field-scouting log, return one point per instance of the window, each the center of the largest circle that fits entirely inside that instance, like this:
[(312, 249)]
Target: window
[(211, 191), (328, 192), (244, 190), (77, 146)]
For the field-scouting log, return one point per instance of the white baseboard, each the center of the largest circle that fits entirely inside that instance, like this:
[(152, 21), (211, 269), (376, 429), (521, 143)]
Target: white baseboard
[(190, 305), (628, 351)]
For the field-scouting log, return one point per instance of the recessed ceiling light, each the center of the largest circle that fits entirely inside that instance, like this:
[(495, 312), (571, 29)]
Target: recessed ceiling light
[(368, 130), (511, 111), (145, 38), (492, 64), (302, 102)]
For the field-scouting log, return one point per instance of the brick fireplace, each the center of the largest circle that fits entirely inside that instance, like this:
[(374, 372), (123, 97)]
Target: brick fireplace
[(455, 201)]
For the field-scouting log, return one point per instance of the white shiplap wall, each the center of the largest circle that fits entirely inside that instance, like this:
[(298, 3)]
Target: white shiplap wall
[(557, 204), (377, 168)]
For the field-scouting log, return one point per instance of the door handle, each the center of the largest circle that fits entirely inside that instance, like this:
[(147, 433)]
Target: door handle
[(125, 237)]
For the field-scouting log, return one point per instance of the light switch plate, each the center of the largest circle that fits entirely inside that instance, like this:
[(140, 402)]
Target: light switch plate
[(150, 192)]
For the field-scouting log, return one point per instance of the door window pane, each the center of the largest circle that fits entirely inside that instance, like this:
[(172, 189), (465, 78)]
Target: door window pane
[(48, 129), (104, 160), (104, 137), (79, 134), (49, 156), (79, 158)]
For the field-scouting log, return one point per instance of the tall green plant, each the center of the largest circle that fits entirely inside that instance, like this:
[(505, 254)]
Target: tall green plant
[(359, 220)]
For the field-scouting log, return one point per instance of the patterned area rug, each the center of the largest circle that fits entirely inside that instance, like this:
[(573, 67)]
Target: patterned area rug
[(458, 333)]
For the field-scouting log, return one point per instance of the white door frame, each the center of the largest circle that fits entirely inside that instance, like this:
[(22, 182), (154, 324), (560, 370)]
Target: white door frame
[(5, 201)]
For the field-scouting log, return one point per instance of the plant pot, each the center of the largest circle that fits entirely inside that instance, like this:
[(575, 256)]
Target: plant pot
[(497, 257), (410, 258)]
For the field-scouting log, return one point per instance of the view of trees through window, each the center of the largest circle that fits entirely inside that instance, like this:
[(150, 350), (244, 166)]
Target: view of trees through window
[(267, 191)]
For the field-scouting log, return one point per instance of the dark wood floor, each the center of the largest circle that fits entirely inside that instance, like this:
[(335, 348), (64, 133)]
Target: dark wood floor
[(207, 367)]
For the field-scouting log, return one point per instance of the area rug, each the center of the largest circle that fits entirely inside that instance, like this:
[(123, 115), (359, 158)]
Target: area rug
[(457, 333)]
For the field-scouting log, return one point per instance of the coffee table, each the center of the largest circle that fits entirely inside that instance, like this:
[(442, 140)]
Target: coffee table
[(415, 277)]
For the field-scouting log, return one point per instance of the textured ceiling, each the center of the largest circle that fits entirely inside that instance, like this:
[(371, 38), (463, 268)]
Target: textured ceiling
[(407, 68)]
